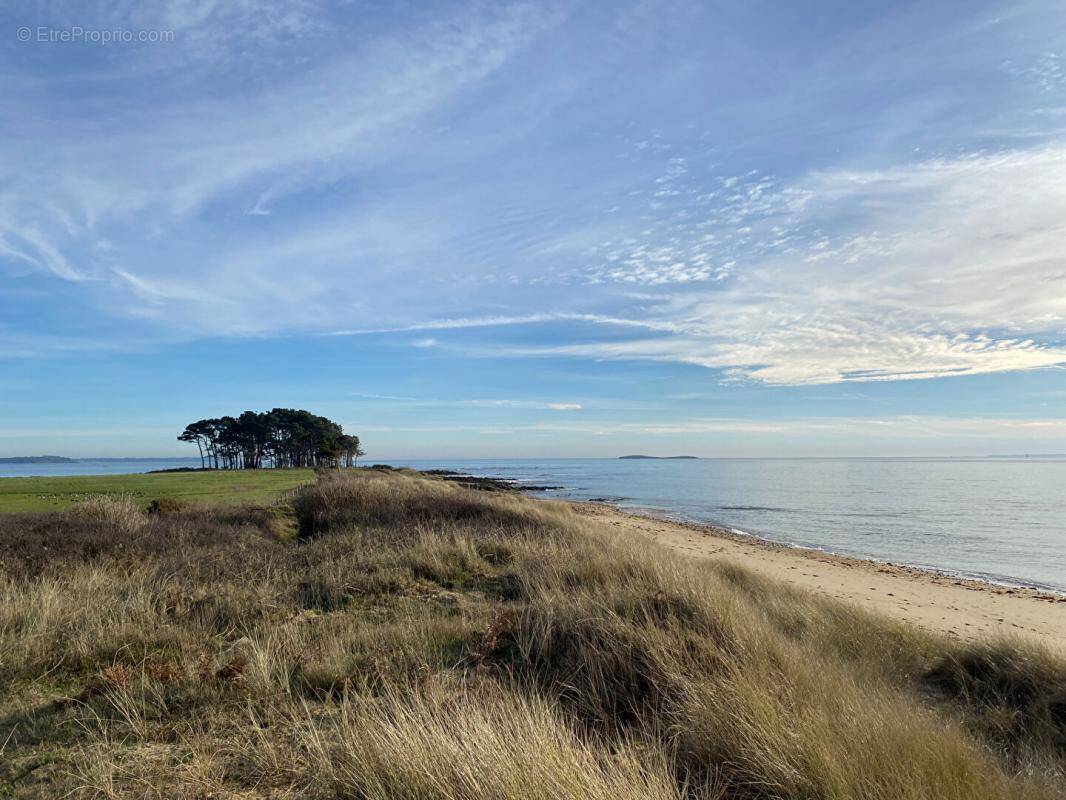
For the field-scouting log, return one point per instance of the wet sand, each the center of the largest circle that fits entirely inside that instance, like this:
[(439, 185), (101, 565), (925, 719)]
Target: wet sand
[(953, 606)]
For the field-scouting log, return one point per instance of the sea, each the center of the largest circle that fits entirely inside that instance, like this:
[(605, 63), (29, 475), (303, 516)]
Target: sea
[(1001, 520)]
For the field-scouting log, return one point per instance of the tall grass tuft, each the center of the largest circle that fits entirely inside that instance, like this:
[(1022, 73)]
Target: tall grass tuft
[(123, 512), (1015, 691), (461, 745)]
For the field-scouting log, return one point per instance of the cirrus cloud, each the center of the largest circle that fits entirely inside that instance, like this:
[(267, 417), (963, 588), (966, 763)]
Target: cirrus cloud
[(946, 267)]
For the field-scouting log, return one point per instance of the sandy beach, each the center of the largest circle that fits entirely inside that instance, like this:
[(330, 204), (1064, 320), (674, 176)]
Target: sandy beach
[(958, 608)]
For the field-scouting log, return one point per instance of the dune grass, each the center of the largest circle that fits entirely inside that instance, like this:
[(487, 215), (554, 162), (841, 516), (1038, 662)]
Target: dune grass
[(30, 495), (421, 640)]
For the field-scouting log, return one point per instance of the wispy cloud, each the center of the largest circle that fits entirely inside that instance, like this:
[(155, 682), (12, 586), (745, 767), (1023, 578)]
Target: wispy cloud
[(155, 173), (427, 402), (1048, 71), (460, 323), (951, 266), (929, 427)]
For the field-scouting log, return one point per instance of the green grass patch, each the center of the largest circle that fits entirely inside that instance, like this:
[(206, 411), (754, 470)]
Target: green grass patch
[(224, 486)]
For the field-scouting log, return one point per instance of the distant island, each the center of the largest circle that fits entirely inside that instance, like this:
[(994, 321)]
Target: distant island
[(1027, 455), (37, 460), (661, 458)]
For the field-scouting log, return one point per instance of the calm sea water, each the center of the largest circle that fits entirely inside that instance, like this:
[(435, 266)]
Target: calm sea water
[(100, 466), (996, 519)]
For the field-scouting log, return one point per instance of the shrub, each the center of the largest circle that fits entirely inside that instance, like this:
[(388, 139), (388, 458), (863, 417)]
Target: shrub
[(122, 512), (162, 506)]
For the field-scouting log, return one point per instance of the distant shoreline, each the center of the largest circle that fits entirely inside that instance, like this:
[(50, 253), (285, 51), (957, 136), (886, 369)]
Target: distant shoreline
[(661, 458), (37, 460)]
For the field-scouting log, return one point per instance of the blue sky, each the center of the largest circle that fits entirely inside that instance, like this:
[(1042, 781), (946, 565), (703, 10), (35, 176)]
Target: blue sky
[(537, 229)]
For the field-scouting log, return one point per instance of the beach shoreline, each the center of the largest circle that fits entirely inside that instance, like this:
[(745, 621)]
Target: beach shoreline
[(962, 608)]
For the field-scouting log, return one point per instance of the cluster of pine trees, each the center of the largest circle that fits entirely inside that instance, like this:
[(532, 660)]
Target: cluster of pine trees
[(283, 437)]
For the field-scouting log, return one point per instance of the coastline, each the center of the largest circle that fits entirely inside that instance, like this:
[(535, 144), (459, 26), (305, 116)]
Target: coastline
[(719, 529), (958, 607), (962, 607)]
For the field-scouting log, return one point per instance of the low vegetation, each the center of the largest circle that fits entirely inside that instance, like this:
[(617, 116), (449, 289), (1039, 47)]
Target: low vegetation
[(410, 638)]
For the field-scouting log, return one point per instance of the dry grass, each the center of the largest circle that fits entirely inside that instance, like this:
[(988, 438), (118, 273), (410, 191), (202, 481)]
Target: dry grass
[(457, 743), (423, 640)]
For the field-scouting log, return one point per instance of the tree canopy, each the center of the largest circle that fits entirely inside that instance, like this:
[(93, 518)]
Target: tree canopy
[(282, 437)]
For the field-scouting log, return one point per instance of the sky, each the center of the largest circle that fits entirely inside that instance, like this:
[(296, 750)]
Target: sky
[(536, 229)]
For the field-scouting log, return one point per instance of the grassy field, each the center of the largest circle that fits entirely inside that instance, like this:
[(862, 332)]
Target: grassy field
[(225, 486), (422, 640)]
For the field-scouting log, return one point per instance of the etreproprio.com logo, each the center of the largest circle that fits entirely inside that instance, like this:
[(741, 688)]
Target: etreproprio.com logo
[(77, 34)]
